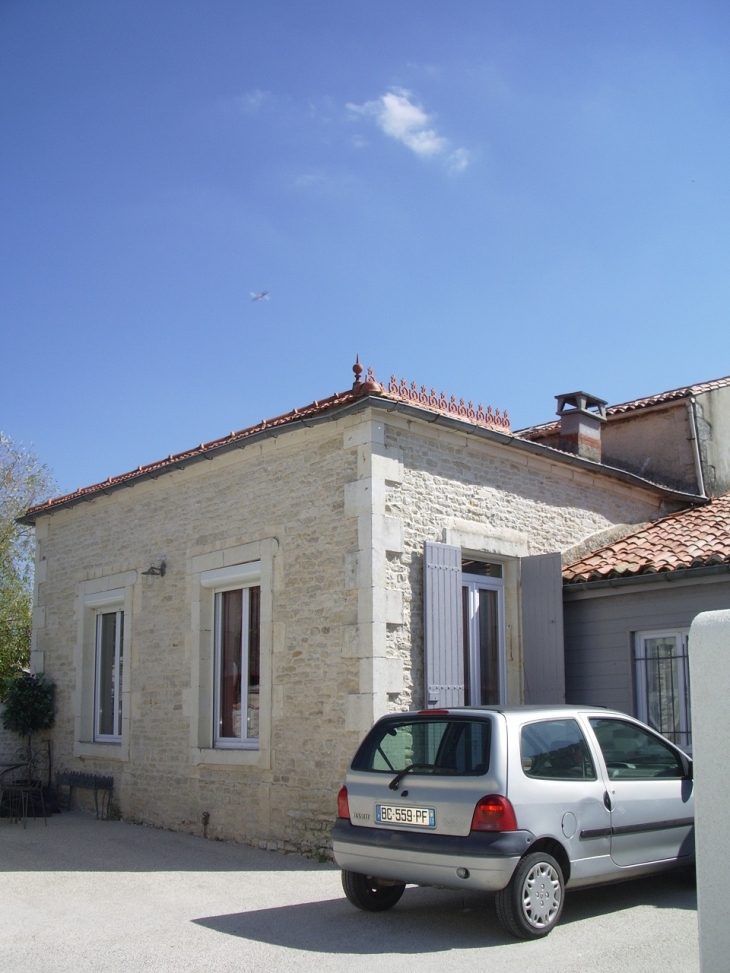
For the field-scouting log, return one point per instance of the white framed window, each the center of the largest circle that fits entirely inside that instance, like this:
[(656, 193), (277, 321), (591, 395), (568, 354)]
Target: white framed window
[(482, 593), (108, 675), (224, 731), (661, 661), (105, 620), (235, 690), (237, 678)]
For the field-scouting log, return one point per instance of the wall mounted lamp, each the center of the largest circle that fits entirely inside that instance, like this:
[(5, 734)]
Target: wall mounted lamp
[(157, 569)]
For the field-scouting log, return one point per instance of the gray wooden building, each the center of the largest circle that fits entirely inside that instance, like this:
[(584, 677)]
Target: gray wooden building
[(628, 608)]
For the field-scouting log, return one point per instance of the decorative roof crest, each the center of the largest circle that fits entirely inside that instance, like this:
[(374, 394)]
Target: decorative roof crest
[(410, 393)]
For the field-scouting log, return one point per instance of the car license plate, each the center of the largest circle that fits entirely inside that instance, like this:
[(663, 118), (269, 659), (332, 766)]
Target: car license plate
[(418, 817)]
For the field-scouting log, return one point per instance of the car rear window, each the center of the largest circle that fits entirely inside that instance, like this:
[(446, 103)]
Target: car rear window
[(444, 746)]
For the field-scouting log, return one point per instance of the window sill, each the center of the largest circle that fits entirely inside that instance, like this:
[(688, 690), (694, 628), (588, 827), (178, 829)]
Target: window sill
[(230, 757), (104, 751)]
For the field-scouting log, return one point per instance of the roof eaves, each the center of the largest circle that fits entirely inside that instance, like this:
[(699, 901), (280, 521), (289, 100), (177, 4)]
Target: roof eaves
[(318, 411), (368, 393), (309, 415), (648, 577), (538, 449)]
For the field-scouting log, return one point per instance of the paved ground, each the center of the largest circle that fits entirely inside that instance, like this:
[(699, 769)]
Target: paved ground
[(82, 895)]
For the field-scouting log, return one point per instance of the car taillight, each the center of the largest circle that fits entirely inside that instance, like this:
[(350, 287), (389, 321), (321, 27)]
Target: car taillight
[(494, 813), (343, 807)]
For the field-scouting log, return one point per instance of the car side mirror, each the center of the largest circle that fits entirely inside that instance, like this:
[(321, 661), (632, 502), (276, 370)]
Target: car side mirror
[(687, 767)]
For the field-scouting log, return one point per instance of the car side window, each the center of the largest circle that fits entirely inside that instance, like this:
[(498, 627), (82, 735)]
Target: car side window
[(632, 752), (555, 749)]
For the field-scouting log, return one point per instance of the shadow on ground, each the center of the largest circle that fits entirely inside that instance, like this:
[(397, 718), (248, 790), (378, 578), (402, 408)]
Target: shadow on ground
[(77, 842), (429, 920)]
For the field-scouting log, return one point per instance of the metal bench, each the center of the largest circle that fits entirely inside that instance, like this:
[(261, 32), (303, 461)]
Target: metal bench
[(95, 782)]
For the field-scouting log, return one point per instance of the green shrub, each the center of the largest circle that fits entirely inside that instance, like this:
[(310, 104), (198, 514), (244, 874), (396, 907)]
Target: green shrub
[(29, 705)]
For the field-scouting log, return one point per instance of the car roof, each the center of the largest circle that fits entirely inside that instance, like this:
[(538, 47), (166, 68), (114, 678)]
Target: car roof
[(510, 712)]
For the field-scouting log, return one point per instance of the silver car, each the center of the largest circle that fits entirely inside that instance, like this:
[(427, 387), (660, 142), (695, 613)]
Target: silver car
[(521, 801)]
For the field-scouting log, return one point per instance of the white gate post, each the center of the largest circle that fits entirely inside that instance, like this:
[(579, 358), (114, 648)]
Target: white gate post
[(709, 664)]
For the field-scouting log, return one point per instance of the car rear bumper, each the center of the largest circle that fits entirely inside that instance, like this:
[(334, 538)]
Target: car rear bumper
[(486, 859)]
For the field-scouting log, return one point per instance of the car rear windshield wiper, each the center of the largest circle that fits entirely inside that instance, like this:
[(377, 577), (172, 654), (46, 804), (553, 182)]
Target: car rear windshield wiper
[(393, 785)]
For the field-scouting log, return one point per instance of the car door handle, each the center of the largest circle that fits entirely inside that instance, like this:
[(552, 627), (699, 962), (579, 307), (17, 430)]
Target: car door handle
[(607, 800)]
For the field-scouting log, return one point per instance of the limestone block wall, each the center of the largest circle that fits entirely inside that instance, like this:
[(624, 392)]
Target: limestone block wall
[(336, 515), (283, 498), (488, 499)]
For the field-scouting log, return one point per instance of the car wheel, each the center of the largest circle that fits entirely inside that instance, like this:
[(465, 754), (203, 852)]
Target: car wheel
[(531, 904), (369, 893)]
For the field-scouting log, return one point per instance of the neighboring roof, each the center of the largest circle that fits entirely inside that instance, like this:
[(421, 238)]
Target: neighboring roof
[(693, 538), (551, 428)]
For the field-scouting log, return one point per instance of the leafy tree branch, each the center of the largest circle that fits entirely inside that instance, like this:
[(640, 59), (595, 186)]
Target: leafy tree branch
[(24, 481)]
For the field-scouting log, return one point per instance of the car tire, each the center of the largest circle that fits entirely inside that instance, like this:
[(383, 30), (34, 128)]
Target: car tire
[(369, 893), (530, 906)]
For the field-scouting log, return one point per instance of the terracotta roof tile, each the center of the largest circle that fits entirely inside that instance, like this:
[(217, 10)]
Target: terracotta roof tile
[(400, 391), (692, 538), (177, 459), (670, 396), (545, 429)]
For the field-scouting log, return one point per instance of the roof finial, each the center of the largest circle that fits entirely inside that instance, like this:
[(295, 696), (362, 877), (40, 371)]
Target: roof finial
[(357, 369)]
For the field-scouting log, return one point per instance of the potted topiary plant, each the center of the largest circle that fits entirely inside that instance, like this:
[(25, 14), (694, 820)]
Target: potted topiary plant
[(29, 706)]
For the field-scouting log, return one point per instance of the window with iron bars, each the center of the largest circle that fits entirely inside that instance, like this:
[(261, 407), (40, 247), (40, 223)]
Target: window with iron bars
[(661, 661)]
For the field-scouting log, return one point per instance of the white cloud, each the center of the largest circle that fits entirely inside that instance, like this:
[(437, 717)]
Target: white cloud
[(458, 160), (251, 101), (401, 118)]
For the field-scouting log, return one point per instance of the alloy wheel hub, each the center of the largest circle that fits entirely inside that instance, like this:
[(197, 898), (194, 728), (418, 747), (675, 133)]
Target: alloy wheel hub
[(541, 895)]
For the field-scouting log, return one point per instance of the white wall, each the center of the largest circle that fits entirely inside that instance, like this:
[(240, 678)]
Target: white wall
[(709, 640)]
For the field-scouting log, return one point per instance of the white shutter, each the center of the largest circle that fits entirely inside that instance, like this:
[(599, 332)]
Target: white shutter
[(543, 654), (443, 625)]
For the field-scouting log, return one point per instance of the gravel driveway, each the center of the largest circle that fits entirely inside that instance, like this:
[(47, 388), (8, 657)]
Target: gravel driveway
[(82, 895)]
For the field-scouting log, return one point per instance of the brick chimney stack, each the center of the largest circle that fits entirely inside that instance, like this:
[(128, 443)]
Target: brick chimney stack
[(581, 418)]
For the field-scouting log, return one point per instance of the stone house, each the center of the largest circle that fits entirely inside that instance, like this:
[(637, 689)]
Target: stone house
[(223, 626)]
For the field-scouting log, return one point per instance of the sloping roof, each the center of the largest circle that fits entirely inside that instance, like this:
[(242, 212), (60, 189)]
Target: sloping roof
[(697, 537), (670, 396), (545, 429), (406, 397), (398, 391), (179, 459)]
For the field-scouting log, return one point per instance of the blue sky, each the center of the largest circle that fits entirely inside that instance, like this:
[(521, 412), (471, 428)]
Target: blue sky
[(501, 199)]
